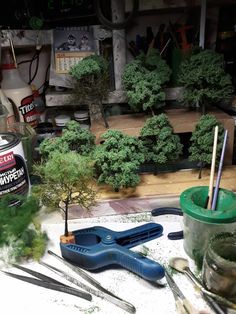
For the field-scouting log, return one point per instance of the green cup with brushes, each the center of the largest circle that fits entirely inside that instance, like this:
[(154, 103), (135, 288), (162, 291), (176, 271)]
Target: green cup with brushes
[(200, 223)]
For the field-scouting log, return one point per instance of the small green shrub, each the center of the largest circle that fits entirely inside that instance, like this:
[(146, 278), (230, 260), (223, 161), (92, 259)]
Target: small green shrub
[(118, 159), (161, 144)]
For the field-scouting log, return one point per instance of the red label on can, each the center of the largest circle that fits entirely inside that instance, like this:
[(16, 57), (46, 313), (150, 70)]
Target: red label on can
[(7, 161), (28, 111)]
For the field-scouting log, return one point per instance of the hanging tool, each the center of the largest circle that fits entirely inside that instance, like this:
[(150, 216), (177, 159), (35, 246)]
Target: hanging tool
[(183, 306), (47, 282), (101, 292), (170, 211), (98, 247)]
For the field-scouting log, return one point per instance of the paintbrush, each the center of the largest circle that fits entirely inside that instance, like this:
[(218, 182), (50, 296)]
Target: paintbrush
[(216, 190), (213, 162)]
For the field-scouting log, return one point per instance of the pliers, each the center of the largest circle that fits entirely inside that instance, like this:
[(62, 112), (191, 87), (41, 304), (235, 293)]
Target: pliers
[(170, 211)]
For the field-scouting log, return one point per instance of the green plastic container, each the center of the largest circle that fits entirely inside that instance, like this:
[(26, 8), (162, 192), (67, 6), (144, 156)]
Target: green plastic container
[(200, 224)]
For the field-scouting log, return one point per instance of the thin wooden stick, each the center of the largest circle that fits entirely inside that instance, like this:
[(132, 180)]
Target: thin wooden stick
[(213, 162), (13, 52)]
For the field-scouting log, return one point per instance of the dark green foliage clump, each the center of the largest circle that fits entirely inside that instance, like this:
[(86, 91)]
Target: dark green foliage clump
[(118, 159), (161, 144), (19, 230), (143, 81), (204, 79), (73, 138), (202, 140)]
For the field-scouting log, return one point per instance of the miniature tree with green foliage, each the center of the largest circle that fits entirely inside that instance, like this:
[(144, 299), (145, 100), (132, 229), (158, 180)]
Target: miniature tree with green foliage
[(91, 76), (143, 80), (73, 138), (21, 237), (161, 144), (201, 141), (118, 159), (204, 79), (66, 177)]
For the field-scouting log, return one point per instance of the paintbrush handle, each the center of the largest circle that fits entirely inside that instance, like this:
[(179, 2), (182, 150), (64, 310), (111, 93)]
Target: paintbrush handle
[(216, 191), (180, 309), (189, 307), (213, 162)]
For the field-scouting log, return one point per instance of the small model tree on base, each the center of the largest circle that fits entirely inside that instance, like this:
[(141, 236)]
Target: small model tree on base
[(65, 177), (202, 141), (161, 144), (118, 159), (91, 82)]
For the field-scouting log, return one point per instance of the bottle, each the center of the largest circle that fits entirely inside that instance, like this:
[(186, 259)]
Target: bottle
[(9, 108), (18, 92), (38, 103)]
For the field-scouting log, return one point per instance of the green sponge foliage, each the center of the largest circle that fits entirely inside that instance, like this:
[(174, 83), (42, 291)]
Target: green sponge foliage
[(202, 140), (19, 232), (161, 144), (118, 159), (143, 80), (73, 138), (204, 79)]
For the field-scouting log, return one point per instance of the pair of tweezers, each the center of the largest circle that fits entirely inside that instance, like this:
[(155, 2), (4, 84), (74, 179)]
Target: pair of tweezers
[(47, 282), (101, 292)]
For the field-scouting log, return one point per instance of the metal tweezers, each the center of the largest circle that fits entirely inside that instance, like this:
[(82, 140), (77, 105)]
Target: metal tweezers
[(47, 282), (101, 292)]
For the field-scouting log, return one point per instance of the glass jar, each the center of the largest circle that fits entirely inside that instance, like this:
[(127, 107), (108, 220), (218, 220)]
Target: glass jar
[(200, 224), (219, 265)]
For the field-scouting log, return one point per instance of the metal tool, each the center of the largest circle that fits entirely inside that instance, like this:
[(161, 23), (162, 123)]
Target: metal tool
[(47, 282), (98, 247), (101, 292), (170, 211), (181, 264), (183, 306)]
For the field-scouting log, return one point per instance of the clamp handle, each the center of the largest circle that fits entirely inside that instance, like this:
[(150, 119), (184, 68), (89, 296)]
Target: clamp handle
[(140, 265)]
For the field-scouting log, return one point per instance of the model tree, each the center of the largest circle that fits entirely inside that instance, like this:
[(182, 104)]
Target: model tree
[(66, 177), (143, 80), (204, 79), (201, 141), (73, 138), (91, 83), (161, 144), (118, 159)]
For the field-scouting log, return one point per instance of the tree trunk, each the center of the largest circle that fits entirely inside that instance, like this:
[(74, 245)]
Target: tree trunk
[(66, 217)]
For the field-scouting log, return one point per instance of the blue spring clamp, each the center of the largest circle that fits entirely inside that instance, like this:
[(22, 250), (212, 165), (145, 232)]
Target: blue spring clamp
[(99, 247)]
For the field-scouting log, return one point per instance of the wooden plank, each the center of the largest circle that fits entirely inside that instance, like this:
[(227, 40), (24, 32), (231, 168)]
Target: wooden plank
[(169, 184), (182, 120)]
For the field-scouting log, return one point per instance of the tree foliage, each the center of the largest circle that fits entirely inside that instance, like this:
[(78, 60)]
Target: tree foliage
[(161, 144), (73, 138), (118, 159), (143, 80), (20, 234), (202, 140), (91, 76), (204, 79), (66, 177)]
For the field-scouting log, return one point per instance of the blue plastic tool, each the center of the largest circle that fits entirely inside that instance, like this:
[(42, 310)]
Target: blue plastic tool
[(98, 247)]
